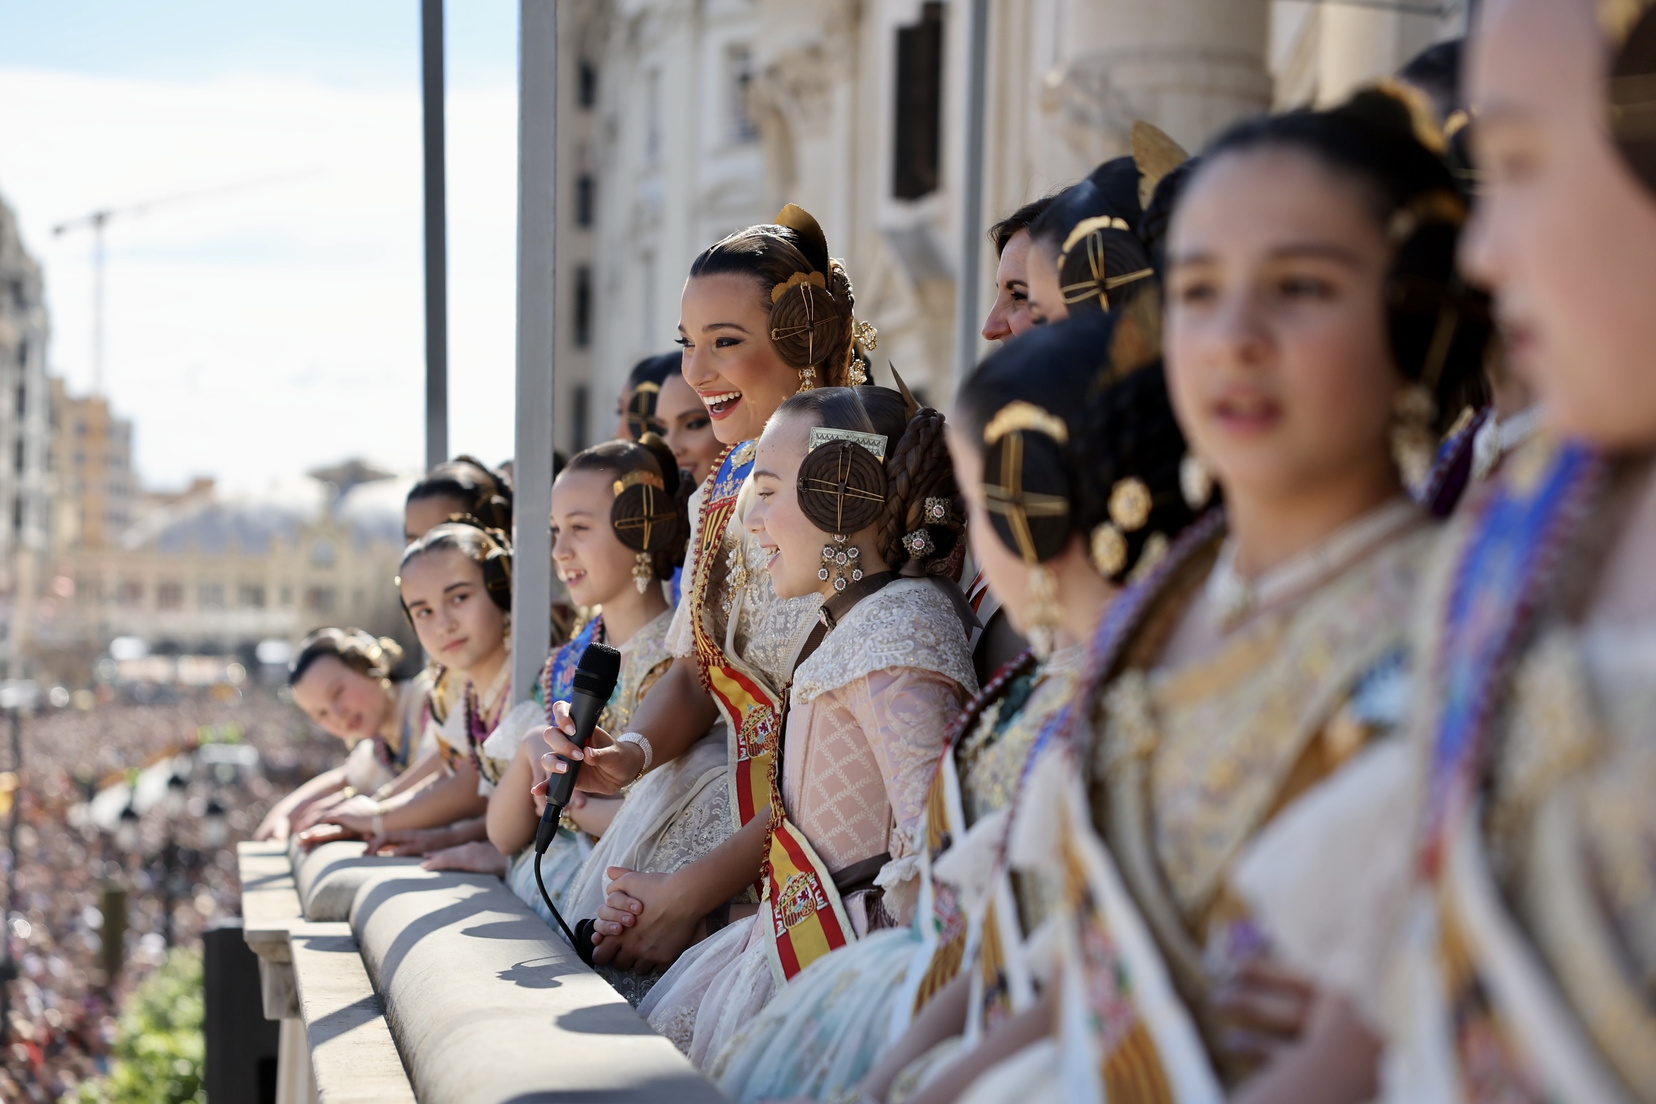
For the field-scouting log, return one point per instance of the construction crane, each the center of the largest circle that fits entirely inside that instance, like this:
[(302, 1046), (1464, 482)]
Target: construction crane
[(97, 220)]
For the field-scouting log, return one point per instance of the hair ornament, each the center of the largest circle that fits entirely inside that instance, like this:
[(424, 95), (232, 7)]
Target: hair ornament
[(1020, 416), (813, 241), (875, 443), (1136, 341), (1156, 155), (1422, 118), (1108, 550), (815, 279), (911, 405), (1618, 18), (1130, 504), (643, 515), (866, 335), (919, 545), (1632, 88), (1088, 276), (936, 510)]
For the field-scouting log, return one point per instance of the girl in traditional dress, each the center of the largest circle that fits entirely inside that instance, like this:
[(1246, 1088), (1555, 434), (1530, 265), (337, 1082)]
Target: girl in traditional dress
[(1085, 428), (345, 680), (1524, 952), (766, 312), (456, 587), (1318, 341), (855, 501)]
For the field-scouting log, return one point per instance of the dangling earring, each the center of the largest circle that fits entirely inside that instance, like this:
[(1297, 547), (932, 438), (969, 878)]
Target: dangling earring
[(1195, 481), (840, 560), (807, 378), (1412, 443), (643, 571), (1043, 610)]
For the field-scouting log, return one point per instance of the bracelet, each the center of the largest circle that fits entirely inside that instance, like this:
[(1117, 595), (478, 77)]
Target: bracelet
[(643, 742)]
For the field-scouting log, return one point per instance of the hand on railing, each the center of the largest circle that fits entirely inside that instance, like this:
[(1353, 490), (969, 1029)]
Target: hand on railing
[(644, 925)]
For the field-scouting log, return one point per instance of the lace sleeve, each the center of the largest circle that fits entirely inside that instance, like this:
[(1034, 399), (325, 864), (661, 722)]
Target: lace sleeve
[(905, 713)]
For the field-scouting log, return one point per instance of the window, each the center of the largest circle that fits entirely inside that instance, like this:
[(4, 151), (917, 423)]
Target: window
[(916, 153), (322, 553), (22, 399), (130, 592), (19, 464), (251, 596), (583, 307), (211, 596), (168, 596), (584, 187), (587, 83), (321, 599), (739, 89)]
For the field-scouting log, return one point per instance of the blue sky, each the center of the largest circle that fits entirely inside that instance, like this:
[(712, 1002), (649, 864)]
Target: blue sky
[(254, 334)]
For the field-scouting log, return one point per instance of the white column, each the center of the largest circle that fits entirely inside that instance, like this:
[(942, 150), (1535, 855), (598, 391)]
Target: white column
[(532, 453)]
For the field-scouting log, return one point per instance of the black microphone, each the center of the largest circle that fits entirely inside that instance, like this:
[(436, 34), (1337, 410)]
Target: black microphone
[(595, 679)]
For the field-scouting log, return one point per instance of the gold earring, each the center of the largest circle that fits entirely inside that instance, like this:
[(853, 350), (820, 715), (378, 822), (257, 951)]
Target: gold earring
[(839, 561), (1195, 481), (1412, 442), (1043, 610), (643, 571), (807, 378)]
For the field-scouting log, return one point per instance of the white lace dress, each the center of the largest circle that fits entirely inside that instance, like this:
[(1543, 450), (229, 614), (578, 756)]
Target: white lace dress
[(869, 713)]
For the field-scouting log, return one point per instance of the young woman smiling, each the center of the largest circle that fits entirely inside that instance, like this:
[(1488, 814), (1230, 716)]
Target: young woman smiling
[(765, 314), (854, 501), (456, 587)]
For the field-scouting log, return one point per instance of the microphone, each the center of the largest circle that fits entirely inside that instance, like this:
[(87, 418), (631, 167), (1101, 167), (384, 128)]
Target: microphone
[(595, 679)]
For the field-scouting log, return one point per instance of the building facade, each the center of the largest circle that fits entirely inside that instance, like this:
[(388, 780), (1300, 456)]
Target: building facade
[(24, 413), (94, 490)]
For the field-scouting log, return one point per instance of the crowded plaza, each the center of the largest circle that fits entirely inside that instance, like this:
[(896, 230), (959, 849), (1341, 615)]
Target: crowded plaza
[(1173, 626)]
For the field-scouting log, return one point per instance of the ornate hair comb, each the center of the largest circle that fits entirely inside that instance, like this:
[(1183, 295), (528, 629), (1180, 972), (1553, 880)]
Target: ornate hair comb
[(1021, 416), (875, 443)]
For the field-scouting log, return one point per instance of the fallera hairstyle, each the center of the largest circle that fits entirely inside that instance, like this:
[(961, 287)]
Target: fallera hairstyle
[(363, 652), (650, 511), (1093, 227), (1022, 219), (490, 549), (917, 477), (644, 392), (1439, 327), (486, 494), (806, 292), (1074, 416)]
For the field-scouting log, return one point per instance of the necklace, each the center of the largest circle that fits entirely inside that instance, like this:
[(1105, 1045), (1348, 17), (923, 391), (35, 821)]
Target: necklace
[(1232, 598)]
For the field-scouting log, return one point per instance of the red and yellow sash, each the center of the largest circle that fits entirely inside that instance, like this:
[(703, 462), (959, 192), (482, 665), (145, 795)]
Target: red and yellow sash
[(801, 908)]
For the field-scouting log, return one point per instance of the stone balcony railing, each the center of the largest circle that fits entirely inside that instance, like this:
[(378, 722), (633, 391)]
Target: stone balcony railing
[(396, 984)]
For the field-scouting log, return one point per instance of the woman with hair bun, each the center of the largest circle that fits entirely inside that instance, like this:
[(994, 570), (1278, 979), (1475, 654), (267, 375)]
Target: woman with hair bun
[(346, 681), (464, 486), (456, 589), (1047, 432), (1318, 342), (855, 505), (766, 313)]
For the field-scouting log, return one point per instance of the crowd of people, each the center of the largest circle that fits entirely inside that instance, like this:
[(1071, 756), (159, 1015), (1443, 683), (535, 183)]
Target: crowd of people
[(1239, 694), (72, 874)]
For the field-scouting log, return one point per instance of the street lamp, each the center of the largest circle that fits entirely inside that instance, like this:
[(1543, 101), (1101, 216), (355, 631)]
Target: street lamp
[(126, 830), (178, 789)]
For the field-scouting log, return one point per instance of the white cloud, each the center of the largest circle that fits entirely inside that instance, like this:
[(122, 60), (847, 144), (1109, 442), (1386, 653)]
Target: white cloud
[(257, 333)]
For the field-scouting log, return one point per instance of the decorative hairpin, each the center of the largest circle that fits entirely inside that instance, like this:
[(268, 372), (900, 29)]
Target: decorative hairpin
[(1020, 416), (875, 443)]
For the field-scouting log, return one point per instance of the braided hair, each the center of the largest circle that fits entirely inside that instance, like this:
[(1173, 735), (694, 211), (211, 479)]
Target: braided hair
[(1105, 423), (1093, 229), (919, 521), (646, 517)]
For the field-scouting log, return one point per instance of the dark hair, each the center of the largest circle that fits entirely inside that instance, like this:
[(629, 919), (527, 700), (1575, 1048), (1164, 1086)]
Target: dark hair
[(1022, 219), (917, 466), (358, 649), (811, 329), (667, 516), (484, 494), (644, 392), (1117, 423), (1436, 71), (490, 549), (1411, 192), (1158, 213), (1093, 227)]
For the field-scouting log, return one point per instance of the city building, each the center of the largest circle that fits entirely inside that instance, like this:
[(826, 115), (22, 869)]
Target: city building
[(24, 413), (95, 494), (681, 121)]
